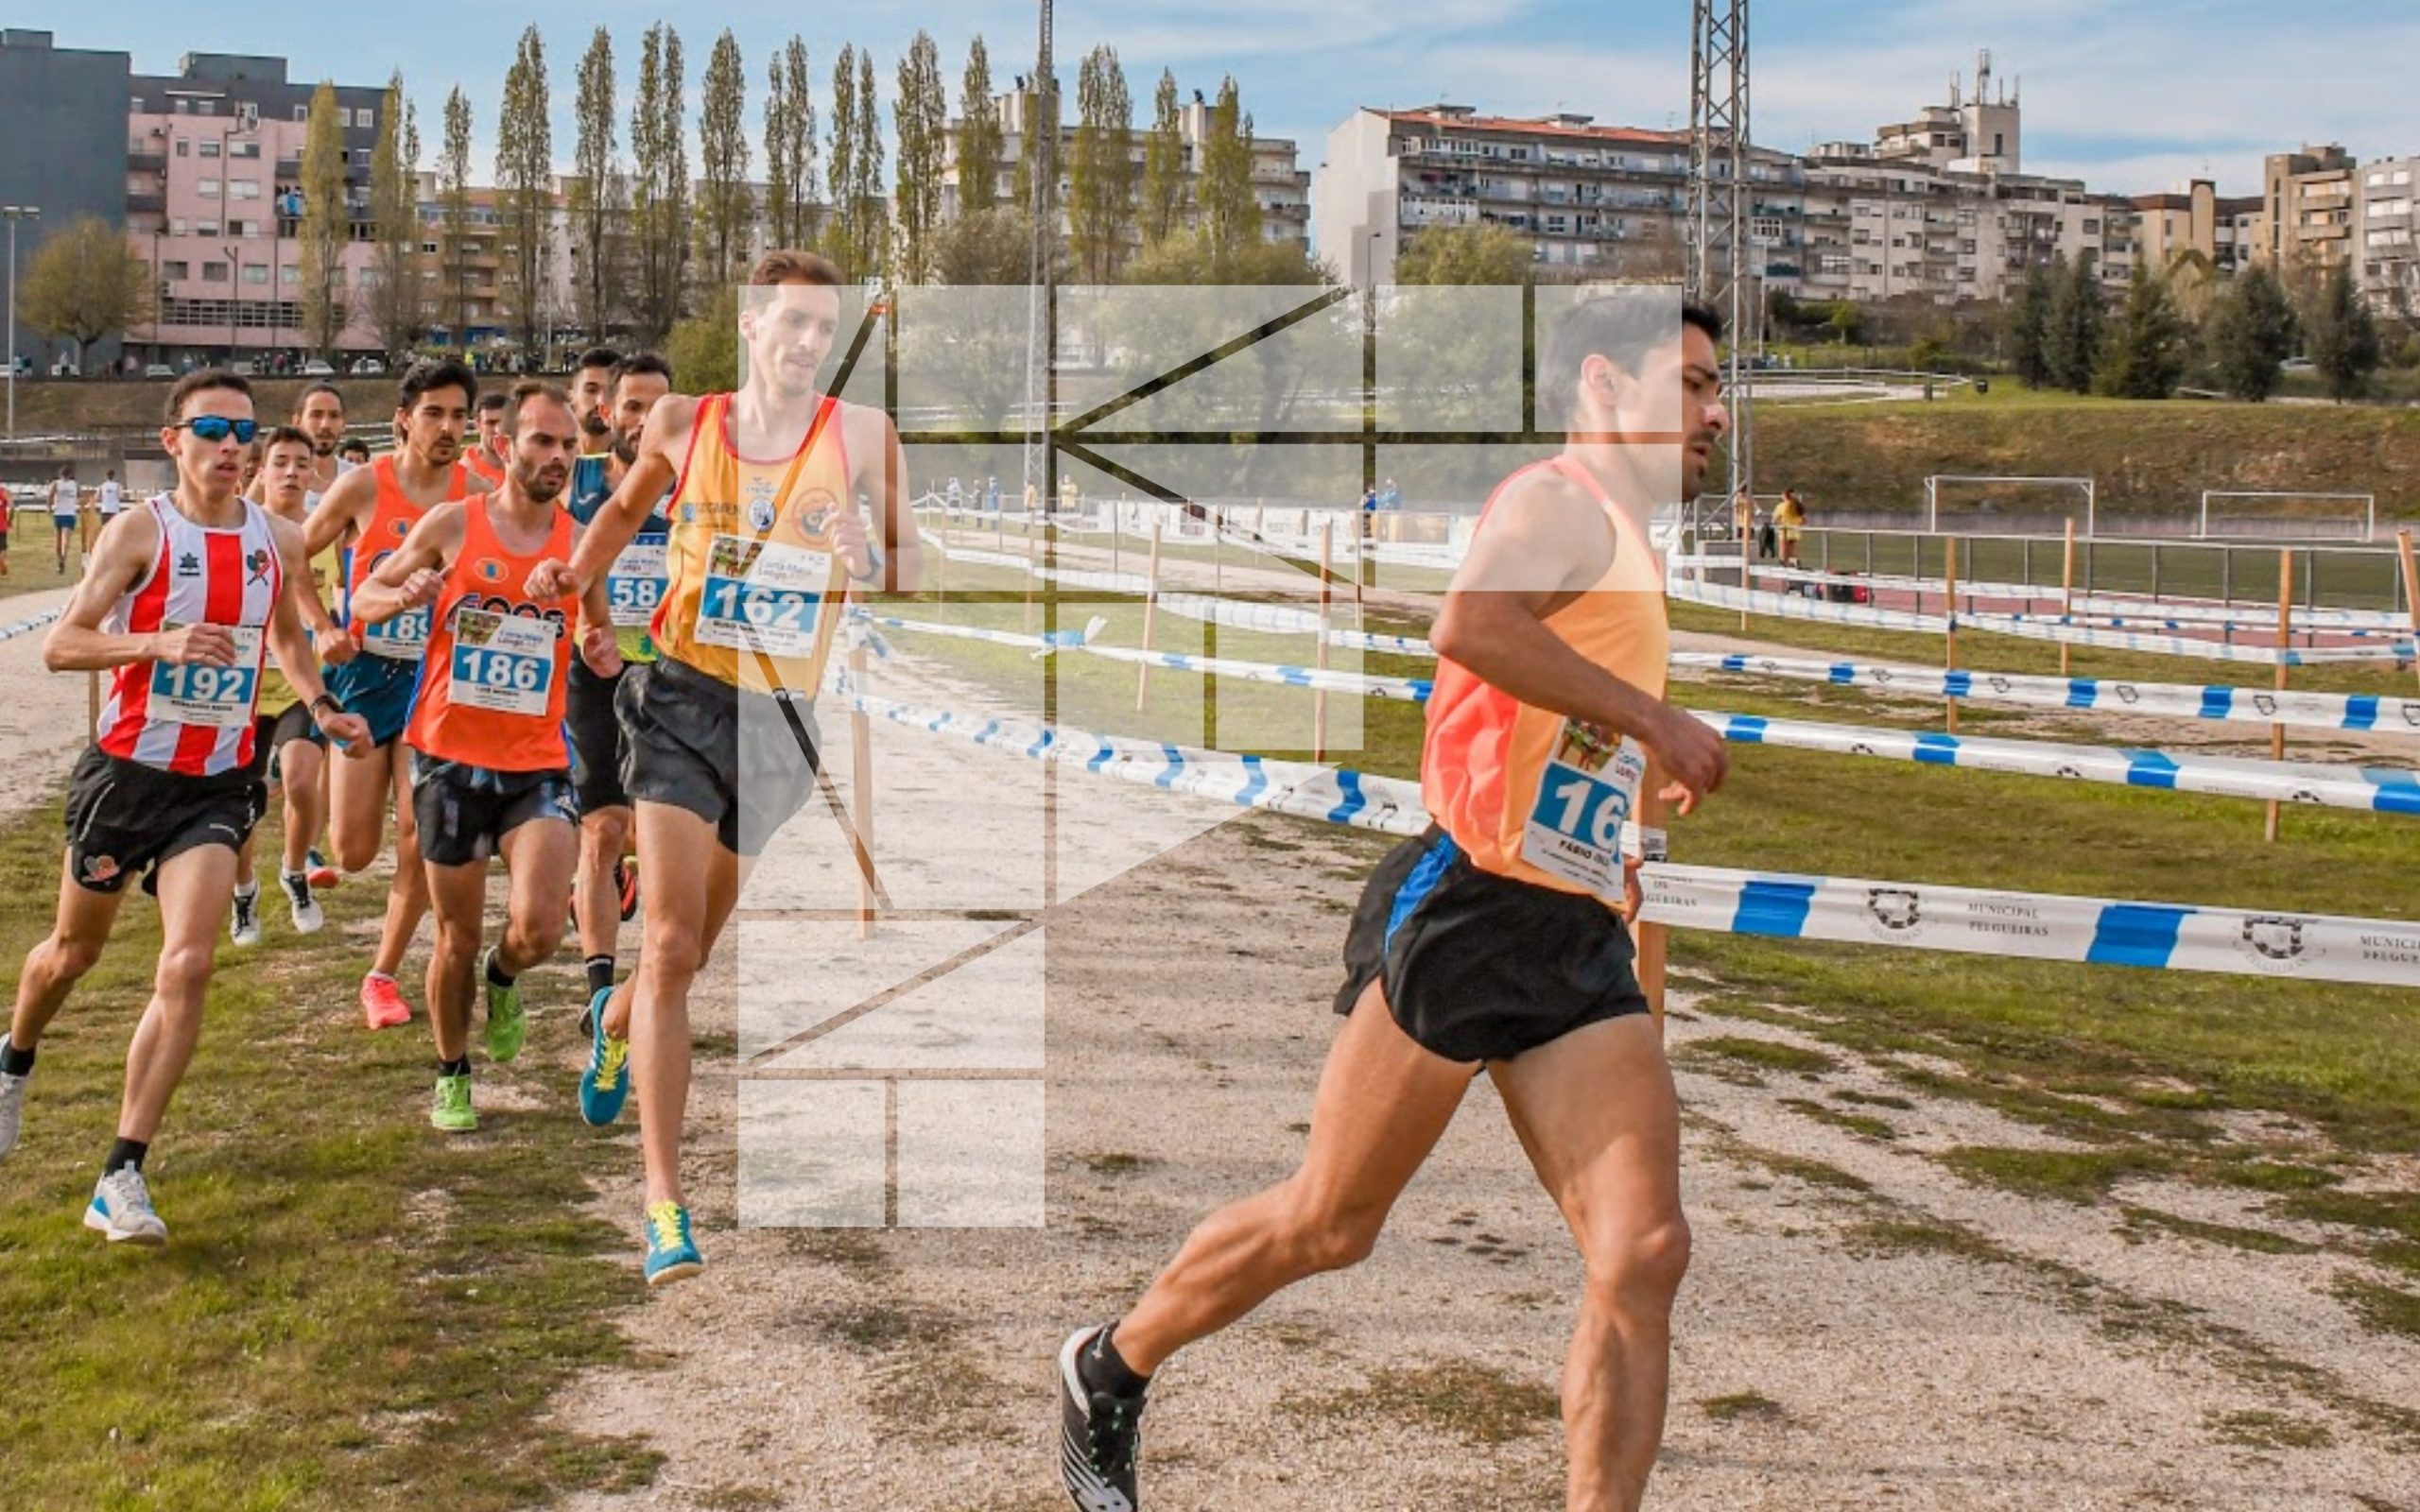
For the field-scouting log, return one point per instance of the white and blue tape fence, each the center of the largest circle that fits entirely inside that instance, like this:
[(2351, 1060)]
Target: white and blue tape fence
[(27, 626), (1278, 619), (2250, 617)]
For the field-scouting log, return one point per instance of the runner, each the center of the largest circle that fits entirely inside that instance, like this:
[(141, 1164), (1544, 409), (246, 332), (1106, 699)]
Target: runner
[(319, 413), (607, 889), (352, 453), (485, 454), (113, 497), (721, 726), (491, 766), (1498, 941), (62, 512), (287, 746), (372, 509), (177, 604)]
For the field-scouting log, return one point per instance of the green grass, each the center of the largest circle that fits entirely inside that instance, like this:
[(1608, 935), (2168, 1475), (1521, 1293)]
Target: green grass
[(1768, 1055), (353, 1310), (32, 568), (1477, 1403), (1738, 1405)]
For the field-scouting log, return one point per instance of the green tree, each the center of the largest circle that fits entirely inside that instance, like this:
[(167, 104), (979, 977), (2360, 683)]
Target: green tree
[(840, 228), (1163, 199), (2071, 342), (595, 189), (789, 149), (525, 180), (1230, 208), (1466, 254), (2342, 337), (659, 183), (1847, 322), (922, 115), (726, 201), (399, 304), (2144, 357), (873, 229), (2250, 334), (980, 141), (454, 196), (2028, 323), (704, 349), (86, 283), (1101, 176), (990, 247), (327, 224)]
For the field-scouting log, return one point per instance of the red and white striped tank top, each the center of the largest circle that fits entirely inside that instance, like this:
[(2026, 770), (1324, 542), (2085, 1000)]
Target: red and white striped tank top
[(195, 721)]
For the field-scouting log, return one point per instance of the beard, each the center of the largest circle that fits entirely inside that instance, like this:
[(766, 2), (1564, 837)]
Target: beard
[(321, 448), (541, 485), (626, 448), (593, 424)]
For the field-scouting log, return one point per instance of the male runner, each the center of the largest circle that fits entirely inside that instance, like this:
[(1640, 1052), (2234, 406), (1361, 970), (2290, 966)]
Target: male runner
[(319, 413), (288, 750), (353, 452), (372, 509), (491, 766), (113, 497), (763, 546), (177, 604), (633, 588), (64, 494), (1496, 940), (485, 456)]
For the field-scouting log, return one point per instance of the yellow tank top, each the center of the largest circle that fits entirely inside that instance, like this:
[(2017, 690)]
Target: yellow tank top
[(1530, 793), (754, 588), (277, 695)]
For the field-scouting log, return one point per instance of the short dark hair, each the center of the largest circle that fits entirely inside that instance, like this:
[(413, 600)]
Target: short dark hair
[(1620, 328), (285, 436), (642, 362), (203, 381), (599, 358), (524, 392), (322, 386), (490, 401), (435, 372), (352, 443)]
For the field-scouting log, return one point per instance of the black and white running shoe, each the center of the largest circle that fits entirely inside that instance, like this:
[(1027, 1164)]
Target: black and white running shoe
[(1101, 1435)]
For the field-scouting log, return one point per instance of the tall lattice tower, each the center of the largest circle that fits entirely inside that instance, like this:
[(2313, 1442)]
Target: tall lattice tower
[(1721, 203)]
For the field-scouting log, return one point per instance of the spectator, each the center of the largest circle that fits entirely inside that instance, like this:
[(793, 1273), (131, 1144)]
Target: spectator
[(1789, 518), (1390, 497), (992, 493)]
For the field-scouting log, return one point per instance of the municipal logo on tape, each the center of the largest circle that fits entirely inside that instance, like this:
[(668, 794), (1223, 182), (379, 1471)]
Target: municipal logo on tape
[(2273, 942), (1894, 913), (2125, 692)]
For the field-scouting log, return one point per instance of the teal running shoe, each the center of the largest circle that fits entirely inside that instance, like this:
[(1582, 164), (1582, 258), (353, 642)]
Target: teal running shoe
[(671, 1254), (607, 1081)]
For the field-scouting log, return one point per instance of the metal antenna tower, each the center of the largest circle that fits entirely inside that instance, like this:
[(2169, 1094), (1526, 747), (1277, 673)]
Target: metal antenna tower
[(1720, 202), (1041, 335)]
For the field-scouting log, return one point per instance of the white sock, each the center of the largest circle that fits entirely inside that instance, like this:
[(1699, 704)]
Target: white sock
[(248, 890)]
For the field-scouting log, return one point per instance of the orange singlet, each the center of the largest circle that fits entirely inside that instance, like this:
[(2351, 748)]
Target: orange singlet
[(492, 690), (392, 518), (1529, 793)]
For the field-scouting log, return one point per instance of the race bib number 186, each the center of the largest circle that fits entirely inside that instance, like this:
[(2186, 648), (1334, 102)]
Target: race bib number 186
[(502, 661)]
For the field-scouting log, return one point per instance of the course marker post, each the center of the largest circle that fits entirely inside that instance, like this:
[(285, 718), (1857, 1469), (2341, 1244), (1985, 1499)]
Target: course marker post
[(2411, 587), (2068, 595), (1318, 703), (1150, 607), (2285, 643), (861, 778), (1949, 619), (1029, 565)]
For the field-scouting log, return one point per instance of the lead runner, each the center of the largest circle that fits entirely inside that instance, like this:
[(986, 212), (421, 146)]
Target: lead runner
[(766, 542), (1496, 941)]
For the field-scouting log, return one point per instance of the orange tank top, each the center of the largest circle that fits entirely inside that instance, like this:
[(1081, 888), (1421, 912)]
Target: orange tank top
[(492, 690), (405, 638), (754, 588), (1529, 793)]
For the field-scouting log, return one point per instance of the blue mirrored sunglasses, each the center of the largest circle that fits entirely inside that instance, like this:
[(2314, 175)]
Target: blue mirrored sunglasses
[(219, 427)]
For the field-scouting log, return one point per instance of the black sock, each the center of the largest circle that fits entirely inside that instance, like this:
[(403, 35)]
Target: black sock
[(455, 1068), (1104, 1369), (126, 1152), (13, 1062), (601, 973), (496, 978)]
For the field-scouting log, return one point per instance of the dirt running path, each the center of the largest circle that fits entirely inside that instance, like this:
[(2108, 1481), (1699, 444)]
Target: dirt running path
[(42, 714)]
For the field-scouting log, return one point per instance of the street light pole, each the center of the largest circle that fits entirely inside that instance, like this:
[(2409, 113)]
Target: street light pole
[(13, 213)]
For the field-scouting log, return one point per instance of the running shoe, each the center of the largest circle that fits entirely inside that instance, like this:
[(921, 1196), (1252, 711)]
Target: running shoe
[(382, 1003), (121, 1207), (321, 874), (625, 882), (308, 918), (450, 1110), (1101, 1435), (607, 1081), (13, 1109), (507, 1024), (244, 924), (671, 1255)]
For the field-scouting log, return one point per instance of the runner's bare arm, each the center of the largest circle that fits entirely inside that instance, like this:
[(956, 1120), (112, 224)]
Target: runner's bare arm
[(413, 575), (288, 642), (336, 518), (598, 646), (1544, 543), (662, 445), (882, 477), (125, 550)]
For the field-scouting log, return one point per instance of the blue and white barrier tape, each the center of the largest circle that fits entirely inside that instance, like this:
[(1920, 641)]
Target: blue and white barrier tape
[(28, 625), (1040, 645), (2260, 706), (2196, 612), (2140, 621), (1328, 680), (1278, 619)]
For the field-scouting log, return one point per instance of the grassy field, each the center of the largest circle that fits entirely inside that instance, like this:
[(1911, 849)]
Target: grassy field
[(353, 1310), (32, 567)]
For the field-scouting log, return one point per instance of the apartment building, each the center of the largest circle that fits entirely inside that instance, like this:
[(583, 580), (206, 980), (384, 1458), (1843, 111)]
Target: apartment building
[(2388, 244), (2308, 209), (2196, 220)]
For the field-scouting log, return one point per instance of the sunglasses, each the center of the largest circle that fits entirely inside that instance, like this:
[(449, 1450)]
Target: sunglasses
[(219, 427)]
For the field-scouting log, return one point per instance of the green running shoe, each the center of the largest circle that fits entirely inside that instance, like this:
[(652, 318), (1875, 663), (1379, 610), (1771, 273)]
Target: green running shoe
[(671, 1255), (451, 1110), (508, 1025)]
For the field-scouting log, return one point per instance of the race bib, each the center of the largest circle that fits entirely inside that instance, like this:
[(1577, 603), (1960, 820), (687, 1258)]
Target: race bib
[(1588, 792), (210, 697), (634, 584), (405, 638), (762, 597), (504, 662)]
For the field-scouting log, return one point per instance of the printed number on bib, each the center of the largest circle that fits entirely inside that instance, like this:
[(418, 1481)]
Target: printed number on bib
[(502, 661), (634, 586), (211, 698), (405, 638), (1587, 793), (763, 596)]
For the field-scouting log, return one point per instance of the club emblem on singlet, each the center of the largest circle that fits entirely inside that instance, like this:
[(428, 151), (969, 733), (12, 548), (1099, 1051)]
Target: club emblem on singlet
[(256, 566), (489, 569), (762, 507)]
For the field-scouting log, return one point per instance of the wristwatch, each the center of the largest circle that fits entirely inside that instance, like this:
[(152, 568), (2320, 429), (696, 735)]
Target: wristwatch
[(334, 708), (873, 566)]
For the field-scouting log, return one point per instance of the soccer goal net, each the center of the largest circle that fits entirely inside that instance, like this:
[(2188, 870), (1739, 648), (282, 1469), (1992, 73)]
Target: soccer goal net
[(1965, 504), (2287, 515)]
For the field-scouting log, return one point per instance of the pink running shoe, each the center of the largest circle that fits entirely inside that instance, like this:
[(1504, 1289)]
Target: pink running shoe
[(382, 1003)]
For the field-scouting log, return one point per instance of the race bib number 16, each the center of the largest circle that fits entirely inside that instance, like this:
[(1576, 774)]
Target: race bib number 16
[(1589, 790)]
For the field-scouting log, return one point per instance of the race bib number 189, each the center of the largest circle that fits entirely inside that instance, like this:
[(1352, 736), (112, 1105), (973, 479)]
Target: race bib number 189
[(211, 698), (404, 638), (763, 596), (1589, 790), (502, 661)]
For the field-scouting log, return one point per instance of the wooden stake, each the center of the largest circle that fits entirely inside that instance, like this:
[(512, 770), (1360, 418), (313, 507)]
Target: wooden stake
[(941, 580), (2068, 595), (1150, 607), (1650, 937), (1950, 577), (2411, 589), (2284, 639), (861, 778), (1318, 699), (92, 706), (1031, 542)]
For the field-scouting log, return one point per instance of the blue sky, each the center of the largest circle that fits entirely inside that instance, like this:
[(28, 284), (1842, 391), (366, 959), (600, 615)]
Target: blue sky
[(2134, 95)]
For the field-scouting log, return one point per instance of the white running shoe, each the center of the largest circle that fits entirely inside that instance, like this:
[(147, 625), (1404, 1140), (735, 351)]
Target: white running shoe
[(13, 1109), (308, 918), (121, 1207), (244, 924)]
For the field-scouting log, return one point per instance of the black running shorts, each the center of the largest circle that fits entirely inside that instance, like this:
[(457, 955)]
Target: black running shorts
[(1477, 967), (124, 817), (596, 739), (465, 811), (743, 761)]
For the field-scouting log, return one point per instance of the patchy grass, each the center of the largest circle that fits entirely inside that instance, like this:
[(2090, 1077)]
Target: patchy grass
[(1751, 1406), (32, 569), (1477, 1403), (1766, 1054), (2384, 1308), (2258, 1240), (2257, 1429), (1864, 1125), (1910, 1232), (2070, 1176)]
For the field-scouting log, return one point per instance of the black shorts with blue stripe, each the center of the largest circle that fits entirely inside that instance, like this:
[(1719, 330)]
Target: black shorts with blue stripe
[(1477, 967)]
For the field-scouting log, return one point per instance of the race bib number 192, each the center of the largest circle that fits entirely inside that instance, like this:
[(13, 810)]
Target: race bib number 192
[(211, 698), (1589, 790)]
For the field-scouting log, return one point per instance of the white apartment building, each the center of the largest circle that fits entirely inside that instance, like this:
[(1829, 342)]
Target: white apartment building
[(2386, 245)]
